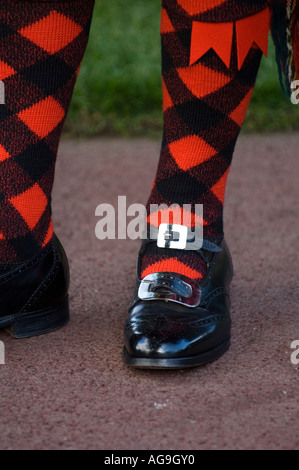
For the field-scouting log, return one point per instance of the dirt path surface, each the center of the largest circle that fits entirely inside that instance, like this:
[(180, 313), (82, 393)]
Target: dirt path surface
[(70, 389)]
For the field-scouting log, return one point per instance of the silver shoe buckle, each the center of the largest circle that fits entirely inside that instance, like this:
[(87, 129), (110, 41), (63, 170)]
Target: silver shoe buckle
[(170, 287), (172, 236)]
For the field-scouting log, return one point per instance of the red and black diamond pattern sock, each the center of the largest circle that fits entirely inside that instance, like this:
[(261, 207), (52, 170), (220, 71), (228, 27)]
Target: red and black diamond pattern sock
[(42, 44), (211, 52)]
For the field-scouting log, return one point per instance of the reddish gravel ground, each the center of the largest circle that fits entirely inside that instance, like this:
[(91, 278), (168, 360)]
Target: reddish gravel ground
[(70, 389)]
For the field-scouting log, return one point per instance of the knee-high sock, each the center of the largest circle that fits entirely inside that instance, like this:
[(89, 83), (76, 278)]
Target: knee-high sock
[(41, 47), (211, 52)]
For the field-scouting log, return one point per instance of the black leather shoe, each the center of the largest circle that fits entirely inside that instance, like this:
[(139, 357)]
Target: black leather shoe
[(174, 322), (34, 295)]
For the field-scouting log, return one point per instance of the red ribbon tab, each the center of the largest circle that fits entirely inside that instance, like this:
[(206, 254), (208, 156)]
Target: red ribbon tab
[(254, 29), (219, 36), (206, 36)]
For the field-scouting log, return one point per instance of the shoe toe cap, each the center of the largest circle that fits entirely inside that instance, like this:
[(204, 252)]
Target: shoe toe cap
[(168, 330)]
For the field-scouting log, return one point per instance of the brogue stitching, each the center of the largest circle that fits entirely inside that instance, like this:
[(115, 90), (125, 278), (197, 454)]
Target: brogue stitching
[(210, 297), (17, 271), (42, 287), (197, 322)]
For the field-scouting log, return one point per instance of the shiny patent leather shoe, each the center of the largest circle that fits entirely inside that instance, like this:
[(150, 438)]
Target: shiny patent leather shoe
[(34, 295), (174, 322)]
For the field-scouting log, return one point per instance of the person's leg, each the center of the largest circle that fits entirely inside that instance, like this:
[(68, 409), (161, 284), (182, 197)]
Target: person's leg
[(42, 44), (211, 52), (204, 107)]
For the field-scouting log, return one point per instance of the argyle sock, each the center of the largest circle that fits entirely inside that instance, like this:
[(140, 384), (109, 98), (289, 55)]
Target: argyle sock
[(208, 75), (41, 47)]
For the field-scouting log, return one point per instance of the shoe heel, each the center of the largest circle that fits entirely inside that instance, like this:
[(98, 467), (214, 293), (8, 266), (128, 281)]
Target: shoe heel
[(40, 322)]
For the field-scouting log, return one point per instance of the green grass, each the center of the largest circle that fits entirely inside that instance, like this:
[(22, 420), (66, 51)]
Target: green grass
[(270, 110), (118, 91)]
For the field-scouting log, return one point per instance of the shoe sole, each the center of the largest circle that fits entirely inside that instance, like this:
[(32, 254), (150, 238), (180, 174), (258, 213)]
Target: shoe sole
[(28, 324), (176, 363)]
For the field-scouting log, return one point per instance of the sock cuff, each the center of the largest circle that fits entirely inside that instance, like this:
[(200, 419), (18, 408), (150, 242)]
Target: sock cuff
[(213, 11), (19, 14)]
